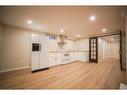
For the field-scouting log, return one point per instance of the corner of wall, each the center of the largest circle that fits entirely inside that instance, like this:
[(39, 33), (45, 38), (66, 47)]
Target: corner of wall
[(0, 45)]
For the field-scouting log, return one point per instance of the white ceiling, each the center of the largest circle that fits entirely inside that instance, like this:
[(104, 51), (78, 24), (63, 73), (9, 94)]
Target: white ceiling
[(74, 20)]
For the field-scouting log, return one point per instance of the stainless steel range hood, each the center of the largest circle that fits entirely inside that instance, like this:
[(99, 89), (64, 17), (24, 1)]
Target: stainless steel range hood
[(62, 39)]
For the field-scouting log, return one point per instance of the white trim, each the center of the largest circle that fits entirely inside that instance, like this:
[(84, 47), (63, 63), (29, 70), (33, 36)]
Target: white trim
[(13, 69)]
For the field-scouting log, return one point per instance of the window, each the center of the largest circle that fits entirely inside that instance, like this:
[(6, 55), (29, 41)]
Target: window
[(51, 37)]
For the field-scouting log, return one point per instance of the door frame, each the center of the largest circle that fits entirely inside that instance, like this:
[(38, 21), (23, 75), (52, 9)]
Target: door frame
[(120, 43)]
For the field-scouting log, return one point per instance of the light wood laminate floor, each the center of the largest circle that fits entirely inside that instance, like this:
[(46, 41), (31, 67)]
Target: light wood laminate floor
[(76, 75)]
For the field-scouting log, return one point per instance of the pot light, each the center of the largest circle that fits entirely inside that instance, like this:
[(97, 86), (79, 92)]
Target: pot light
[(61, 30), (92, 18), (112, 39), (29, 22), (78, 35), (104, 30)]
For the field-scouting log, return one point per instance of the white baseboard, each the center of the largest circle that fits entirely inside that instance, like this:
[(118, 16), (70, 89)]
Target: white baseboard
[(13, 69)]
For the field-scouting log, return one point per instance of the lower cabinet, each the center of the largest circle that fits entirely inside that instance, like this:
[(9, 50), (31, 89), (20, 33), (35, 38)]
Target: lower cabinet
[(55, 59), (82, 56), (73, 56), (66, 61)]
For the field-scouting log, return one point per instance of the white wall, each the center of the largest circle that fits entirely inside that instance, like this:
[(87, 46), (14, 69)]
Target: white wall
[(114, 49), (15, 48), (102, 49)]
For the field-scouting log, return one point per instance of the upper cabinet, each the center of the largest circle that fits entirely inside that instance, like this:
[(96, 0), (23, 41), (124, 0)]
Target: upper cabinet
[(70, 45), (35, 38)]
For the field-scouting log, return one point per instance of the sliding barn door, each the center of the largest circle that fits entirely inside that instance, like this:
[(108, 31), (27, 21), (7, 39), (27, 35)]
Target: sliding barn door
[(93, 49)]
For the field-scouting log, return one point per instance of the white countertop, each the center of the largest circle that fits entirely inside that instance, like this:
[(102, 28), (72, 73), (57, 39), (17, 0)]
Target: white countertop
[(67, 51)]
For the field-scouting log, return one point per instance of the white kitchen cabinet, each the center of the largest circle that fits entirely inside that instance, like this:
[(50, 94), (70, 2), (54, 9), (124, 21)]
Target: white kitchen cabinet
[(44, 55), (35, 38), (66, 57), (35, 61), (82, 56), (59, 58), (73, 56), (55, 59), (52, 60), (66, 61), (86, 56), (76, 55)]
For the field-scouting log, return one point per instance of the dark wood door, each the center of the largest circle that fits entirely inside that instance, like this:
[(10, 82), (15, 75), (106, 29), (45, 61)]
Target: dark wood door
[(93, 49)]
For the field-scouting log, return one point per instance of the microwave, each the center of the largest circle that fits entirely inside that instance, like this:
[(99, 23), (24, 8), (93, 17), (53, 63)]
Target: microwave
[(36, 47)]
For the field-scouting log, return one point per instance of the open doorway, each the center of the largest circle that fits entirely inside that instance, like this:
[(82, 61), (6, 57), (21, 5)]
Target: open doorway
[(103, 47), (109, 47)]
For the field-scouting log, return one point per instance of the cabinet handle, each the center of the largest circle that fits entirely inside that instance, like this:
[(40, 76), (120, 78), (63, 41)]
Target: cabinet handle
[(39, 47)]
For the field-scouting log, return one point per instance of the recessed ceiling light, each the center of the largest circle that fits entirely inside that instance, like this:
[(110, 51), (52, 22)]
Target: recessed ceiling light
[(92, 18), (78, 35), (112, 39), (104, 30), (29, 22), (61, 30)]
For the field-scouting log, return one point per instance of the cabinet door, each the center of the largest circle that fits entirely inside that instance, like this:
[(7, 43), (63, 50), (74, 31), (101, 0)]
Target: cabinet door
[(81, 56), (35, 61), (52, 61), (55, 59), (59, 58), (35, 38), (72, 54), (44, 54), (77, 56)]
